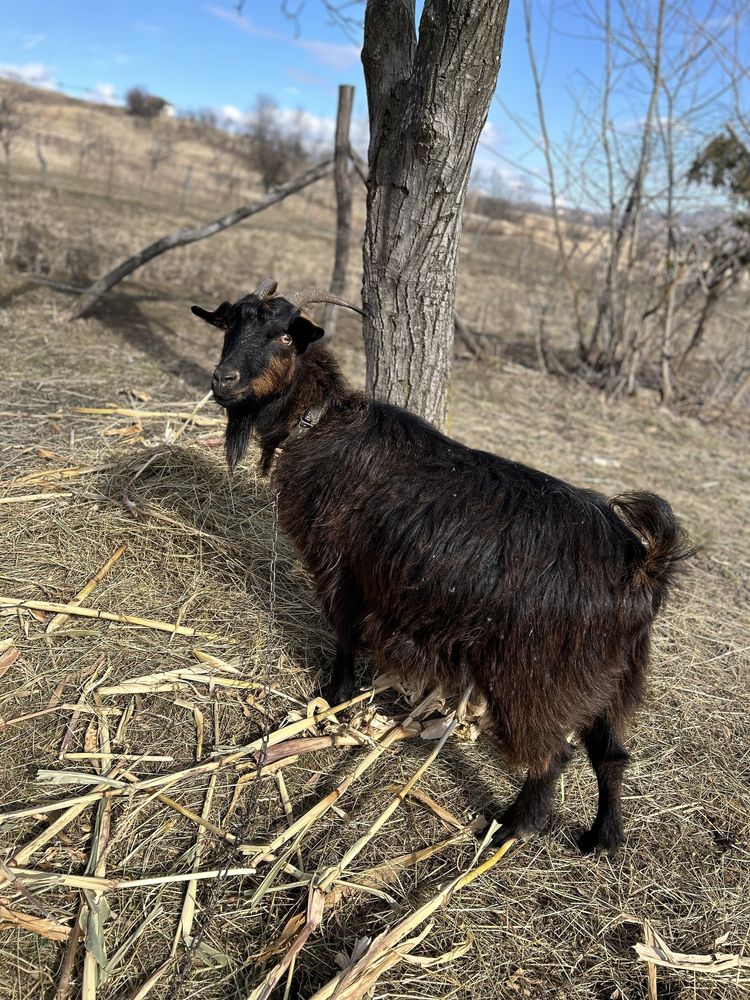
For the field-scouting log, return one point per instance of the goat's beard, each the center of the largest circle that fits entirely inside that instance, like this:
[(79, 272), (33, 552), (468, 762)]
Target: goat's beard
[(240, 422)]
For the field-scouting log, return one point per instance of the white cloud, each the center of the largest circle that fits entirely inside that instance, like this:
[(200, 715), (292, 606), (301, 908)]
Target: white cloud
[(31, 41), (308, 79), (490, 133), (35, 74), (360, 136), (334, 55), (230, 115), (315, 129), (241, 22), (146, 29), (330, 54), (105, 93)]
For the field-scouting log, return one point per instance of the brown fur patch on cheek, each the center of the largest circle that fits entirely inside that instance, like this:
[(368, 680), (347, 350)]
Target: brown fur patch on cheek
[(274, 379)]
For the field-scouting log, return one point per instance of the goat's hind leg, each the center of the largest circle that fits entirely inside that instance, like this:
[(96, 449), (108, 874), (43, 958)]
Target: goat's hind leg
[(343, 607), (608, 758), (531, 808)]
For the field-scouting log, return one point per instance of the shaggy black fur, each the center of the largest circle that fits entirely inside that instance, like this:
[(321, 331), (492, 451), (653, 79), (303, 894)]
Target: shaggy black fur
[(457, 566)]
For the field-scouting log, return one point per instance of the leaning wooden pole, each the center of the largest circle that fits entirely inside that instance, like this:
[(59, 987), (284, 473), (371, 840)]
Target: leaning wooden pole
[(343, 177), (91, 296)]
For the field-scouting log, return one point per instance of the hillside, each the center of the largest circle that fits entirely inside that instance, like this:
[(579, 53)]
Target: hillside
[(546, 923)]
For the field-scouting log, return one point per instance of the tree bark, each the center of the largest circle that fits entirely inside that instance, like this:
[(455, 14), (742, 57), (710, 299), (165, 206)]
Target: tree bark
[(343, 179), (428, 98)]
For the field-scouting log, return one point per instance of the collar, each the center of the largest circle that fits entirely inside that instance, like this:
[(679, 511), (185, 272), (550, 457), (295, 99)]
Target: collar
[(309, 419)]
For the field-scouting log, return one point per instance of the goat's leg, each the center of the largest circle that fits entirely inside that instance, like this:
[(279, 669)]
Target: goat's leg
[(608, 758), (531, 808), (340, 686), (343, 607)]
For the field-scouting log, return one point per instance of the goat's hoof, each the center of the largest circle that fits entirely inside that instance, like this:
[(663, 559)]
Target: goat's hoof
[(501, 837), (605, 839), (515, 828), (520, 821), (338, 692)]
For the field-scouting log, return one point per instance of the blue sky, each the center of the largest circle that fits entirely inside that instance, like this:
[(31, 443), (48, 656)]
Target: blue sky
[(201, 54)]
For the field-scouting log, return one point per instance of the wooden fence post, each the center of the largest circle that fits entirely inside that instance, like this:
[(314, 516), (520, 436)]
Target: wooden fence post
[(343, 178)]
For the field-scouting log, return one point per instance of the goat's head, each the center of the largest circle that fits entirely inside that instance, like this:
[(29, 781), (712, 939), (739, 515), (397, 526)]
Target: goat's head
[(264, 336)]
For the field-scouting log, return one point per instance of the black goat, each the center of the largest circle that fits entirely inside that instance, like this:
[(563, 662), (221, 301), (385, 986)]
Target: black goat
[(453, 565)]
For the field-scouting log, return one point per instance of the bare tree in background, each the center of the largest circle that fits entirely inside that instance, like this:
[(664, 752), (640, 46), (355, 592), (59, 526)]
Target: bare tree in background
[(662, 268), (11, 122), (95, 147), (161, 149), (275, 148), (89, 138)]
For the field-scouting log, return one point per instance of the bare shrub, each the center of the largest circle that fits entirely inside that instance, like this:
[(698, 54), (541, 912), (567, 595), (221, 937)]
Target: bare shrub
[(496, 208), (141, 104), (642, 287), (161, 149), (274, 147)]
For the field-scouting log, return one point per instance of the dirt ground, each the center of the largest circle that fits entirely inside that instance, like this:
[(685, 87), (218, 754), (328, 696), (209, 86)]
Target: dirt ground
[(545, 922)]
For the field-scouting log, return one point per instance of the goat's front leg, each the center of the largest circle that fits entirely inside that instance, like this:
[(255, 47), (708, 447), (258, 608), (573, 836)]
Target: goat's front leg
[(531, 808), (343, 606)]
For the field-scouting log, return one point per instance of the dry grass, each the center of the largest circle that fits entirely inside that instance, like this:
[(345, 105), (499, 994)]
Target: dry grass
[(545, 923)]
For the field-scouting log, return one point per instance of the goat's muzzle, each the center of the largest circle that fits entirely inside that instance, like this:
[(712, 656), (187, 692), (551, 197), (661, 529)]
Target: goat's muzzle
[(225, 384)]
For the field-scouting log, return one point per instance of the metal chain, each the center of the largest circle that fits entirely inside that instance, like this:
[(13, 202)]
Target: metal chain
[(208, 910)]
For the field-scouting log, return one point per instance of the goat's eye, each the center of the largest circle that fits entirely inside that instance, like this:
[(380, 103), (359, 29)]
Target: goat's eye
[(284, 339)]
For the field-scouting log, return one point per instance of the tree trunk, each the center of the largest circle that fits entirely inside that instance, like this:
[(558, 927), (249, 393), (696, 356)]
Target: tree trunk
[(428, 100)]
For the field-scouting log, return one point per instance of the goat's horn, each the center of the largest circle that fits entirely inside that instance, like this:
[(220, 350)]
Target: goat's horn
[(266, 288), (300, 297)]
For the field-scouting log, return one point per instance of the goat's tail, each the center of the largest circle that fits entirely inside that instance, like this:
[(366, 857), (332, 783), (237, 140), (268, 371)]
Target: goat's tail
[(667, 543)]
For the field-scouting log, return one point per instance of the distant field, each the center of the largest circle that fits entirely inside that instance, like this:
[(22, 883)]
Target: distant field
[(546, 923)]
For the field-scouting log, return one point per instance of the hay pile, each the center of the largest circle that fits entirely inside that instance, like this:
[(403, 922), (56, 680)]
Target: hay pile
[(130, 749)]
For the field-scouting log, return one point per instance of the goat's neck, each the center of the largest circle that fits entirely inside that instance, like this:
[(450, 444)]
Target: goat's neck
[(318, 386)]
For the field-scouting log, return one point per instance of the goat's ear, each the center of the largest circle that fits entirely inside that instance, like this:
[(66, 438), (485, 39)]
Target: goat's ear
[(219, 317), (303, 332)]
